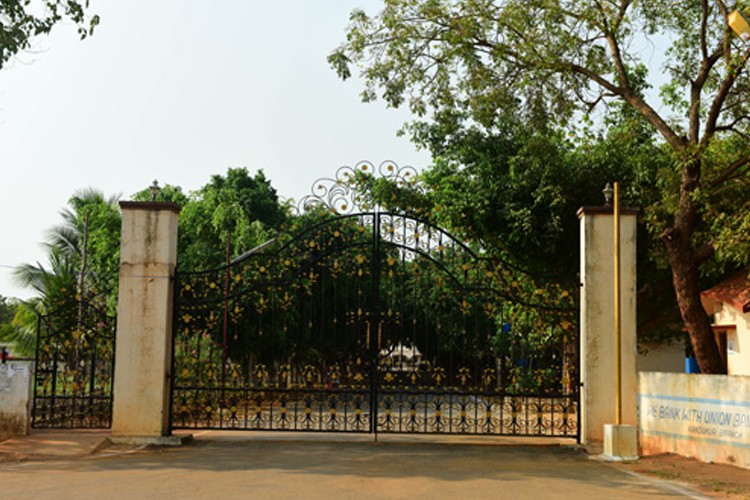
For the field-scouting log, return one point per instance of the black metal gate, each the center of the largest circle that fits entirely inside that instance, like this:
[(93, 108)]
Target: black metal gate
[(370, 322), (74, 369)]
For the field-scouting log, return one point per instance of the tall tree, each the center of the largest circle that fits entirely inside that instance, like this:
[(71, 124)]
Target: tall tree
[(242, 208), (459, 62), (82, 252), (22, 20)]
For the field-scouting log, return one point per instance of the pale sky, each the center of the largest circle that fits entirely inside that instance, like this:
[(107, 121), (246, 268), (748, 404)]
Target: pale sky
[(177, 91)]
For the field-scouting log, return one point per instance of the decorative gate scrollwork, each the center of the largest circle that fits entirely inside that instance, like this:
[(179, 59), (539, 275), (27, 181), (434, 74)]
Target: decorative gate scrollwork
[(74, 368), (364, 322)]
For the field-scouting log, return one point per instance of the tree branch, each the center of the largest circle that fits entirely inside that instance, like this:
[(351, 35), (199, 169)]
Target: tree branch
[(704, 24), (703, 253), (721, 95), (731, 126), (696, 86), (674, 140), (729, 171), (722, 8)]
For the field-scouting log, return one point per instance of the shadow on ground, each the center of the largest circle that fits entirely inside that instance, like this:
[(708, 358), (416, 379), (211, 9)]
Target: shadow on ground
[(242, 466)]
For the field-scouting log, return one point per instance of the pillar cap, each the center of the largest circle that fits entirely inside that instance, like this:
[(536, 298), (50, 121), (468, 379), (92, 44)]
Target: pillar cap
[(151, 205), (606, 210)]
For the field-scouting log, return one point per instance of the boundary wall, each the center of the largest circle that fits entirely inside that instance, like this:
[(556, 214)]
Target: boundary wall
[(15, 398), (702, 416)]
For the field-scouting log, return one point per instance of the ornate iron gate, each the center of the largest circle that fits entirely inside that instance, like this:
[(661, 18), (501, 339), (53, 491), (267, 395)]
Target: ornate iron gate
[(370, 322), (74, 371)]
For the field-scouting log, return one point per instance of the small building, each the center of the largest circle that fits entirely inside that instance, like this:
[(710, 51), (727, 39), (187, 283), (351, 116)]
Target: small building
[(400, 358), (729, 304)]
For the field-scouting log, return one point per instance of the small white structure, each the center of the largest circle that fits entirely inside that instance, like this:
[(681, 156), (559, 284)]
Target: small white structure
[(401, 358), (729, 303)]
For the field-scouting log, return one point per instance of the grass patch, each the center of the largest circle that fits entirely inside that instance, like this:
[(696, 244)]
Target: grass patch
[(667, 474)]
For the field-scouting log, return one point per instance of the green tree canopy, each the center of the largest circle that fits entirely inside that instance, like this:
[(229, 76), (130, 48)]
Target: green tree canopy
[(238, 206), (82, 264), (463, 64), (8, 308), (82, 252), (22, 20)]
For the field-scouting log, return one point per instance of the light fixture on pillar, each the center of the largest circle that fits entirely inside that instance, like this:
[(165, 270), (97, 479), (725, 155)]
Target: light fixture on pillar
[(739, 24), (608, 192), (155, 190)]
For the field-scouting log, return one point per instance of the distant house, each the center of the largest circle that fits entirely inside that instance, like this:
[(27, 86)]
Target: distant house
[(729, 303)]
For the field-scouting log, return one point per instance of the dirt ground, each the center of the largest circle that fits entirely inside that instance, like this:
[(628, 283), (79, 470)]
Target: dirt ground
[(271, 467), (714, 480), (237, 467)]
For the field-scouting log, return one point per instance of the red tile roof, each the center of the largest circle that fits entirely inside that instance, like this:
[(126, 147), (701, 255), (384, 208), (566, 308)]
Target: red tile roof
[(734, 291)]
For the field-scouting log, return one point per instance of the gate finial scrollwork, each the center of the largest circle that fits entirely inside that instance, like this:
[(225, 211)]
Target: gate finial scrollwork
[(344, 194)]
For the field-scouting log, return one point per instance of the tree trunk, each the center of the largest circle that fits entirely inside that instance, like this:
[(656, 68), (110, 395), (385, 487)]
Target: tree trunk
[(685, 262), (685, 280)]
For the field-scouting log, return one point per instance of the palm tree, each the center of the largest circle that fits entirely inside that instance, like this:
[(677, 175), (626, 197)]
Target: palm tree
[(21, 333), (82, 254), (82, 251)]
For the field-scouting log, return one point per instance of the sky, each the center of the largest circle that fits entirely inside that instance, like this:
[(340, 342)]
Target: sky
[(175, 91)]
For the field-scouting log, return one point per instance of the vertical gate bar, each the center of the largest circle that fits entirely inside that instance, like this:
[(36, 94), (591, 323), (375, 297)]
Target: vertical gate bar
[(246, 400), (400, 318), (374, 315), (198, 372), (295, 370), (73, 397), (92, 376), (577, 383), (175, 326), (225, 326), (321, 404), (54, 386), (552, 414), (526, 412), (476, 378), (37, 364), (501, 422), (111, 376), (334, 314)]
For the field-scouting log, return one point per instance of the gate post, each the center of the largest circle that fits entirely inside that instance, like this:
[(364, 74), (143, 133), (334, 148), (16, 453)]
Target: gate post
[(148, 256), (597, 339)]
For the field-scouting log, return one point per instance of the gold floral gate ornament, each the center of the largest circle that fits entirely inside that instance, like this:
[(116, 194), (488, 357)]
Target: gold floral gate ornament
[(363, 320), (74, 368)]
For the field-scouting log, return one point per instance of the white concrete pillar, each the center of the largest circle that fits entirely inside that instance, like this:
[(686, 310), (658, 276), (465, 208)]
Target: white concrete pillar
[(598, 355), (148, 256), (15, 398)]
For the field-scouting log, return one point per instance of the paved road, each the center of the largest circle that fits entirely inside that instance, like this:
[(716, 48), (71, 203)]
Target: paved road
[(232, 466)]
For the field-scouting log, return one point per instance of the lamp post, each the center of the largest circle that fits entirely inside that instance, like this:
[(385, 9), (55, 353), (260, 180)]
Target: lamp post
[(618, 323), (155, 189)]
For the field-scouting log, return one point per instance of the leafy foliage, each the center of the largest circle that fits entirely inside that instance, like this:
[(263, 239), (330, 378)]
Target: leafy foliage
[(21, 20), (83, 254), (243, 207), (83, 251), (9, 332), (475, 65)]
